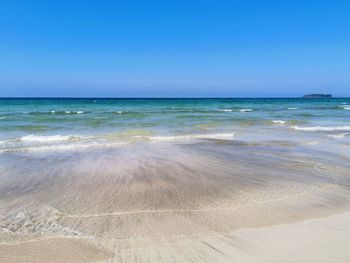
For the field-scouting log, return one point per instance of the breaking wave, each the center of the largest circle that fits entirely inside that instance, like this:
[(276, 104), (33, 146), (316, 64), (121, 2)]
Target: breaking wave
[(322, 128), (50, 138), (279, 122)]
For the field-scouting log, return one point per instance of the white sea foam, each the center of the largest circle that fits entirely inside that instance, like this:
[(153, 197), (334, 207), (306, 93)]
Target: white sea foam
[(50, 138), (222, 136), (322, 128), (245, 110), (120, 111), (279, 122), (346, 108), (2, 118), (225, 110), (72, 147), (78, 142), (74, 112), (53, 112), (292, 108)]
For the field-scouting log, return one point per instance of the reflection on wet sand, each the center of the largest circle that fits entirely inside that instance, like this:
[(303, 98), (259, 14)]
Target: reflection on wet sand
[(165, 202)]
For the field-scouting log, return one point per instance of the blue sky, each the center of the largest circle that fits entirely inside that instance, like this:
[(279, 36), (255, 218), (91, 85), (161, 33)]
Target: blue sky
[(174, 48)]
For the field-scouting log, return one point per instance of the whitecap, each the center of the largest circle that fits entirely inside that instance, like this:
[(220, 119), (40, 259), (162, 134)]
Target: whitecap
[(322, 128), (50, 138), (80, 112), (292, 108), (2, 118), (346, 108), (53, 112), (279, 122), (68, 112), (245, 110), (225, 110), (73, 147)]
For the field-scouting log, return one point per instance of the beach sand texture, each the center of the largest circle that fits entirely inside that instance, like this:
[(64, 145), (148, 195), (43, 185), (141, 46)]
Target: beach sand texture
[(212, 201)]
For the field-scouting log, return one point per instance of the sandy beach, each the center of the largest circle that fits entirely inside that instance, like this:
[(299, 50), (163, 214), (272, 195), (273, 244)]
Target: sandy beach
[(213, 201)]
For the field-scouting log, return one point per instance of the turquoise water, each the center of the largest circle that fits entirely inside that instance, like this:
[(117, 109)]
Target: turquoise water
[(27, 123)]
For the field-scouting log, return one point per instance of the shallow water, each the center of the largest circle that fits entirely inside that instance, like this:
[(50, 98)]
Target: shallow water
[(41, 124)]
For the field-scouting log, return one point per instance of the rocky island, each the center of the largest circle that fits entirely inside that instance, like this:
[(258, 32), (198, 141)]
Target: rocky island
[(317, 96)]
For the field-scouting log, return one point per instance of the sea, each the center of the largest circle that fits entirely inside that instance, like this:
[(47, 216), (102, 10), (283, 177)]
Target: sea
[(64, 124)]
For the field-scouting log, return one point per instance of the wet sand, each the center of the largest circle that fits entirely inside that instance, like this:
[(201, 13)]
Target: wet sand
[(318, 240), (214, 201)]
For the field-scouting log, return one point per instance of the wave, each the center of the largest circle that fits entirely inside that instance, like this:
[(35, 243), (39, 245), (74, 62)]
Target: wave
[(279, 122), (225, 110), (2, 118), (50, 138), (146, 135), (322, 128), (292, 108), (346, 108), (121, 136), (221, 136), (245, 110), (65, 147), (73, 147), (77, 142), (54, 112), (74, 112)]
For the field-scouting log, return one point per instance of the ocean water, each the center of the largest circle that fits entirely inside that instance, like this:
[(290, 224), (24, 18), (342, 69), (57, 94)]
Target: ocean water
[(66, 124)]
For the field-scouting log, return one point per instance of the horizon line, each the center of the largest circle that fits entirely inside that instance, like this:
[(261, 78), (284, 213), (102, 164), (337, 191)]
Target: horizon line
[(54, 97)]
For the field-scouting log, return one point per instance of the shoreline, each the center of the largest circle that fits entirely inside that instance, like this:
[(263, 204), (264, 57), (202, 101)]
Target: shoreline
[(320, 242)]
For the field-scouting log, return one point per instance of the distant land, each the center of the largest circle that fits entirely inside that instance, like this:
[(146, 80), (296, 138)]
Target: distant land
[(317, 96)]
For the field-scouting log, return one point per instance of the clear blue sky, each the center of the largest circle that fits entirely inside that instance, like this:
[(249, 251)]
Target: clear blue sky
[(174, 48)]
